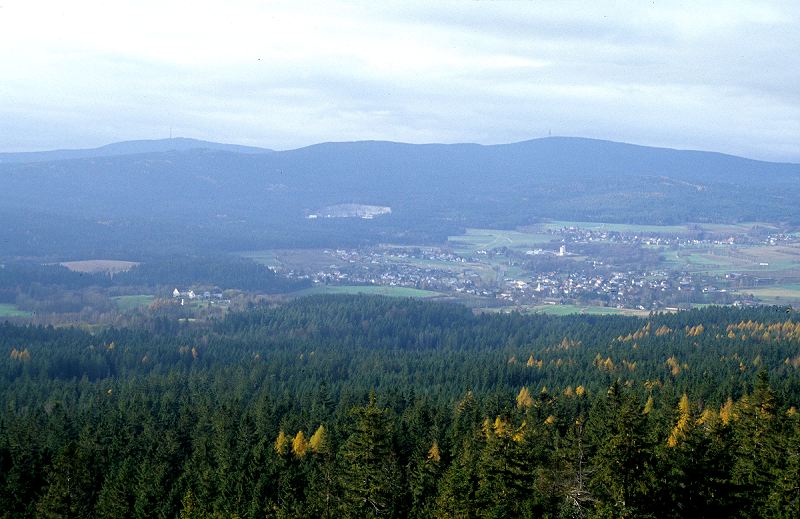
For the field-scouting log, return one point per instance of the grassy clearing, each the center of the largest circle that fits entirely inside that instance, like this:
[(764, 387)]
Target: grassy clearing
[(128, 303), (8, 310), (736, 228), (99, 265), (486, 239), (264, 257), (719, 260), (369, 290), (585, 310), (777, 254), (294, 259), (617, 227)]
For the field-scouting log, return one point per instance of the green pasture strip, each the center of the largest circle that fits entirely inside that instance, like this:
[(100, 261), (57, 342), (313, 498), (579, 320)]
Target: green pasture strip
[(127, 303), (586, 310), (616, 227), (264, 257), (723, 228), (789, 292), (487, 239), (9, 310), (368, 290)]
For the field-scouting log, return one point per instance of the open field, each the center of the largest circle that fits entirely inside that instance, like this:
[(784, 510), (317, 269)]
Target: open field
[(777, 256), (703, 261), (303, 259), (127, 303), (264, 257), (379, 290), (486, 271), (8, 310), (586, 310), (571, 310), (732, 229), (99, 265), (615, 227), (775, 260), (486, 239), (779, 294)]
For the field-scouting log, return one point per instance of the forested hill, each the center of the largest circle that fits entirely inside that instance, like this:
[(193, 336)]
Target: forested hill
[(372, 407), (237, 201), (126, 148)]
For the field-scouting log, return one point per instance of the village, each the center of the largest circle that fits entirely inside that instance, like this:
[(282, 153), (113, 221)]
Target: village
[(487, 276), (644, 269)]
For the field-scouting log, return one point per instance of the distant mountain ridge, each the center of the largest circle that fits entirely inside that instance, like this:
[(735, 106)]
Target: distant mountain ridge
[(230, 199), (127, 148), (135, 147)]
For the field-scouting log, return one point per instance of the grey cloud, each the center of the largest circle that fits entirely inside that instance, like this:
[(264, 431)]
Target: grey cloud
[(517, 74)]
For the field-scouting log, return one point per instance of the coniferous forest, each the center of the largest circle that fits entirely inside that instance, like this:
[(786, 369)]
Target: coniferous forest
[(372, 407)]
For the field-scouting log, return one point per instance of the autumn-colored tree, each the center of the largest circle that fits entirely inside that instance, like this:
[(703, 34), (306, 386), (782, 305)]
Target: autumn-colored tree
[(683, 423), (524, 399), (281, 443), (319, 441), (299, 445)]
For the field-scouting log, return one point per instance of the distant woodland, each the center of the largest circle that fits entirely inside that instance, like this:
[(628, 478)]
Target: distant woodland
[(371, 407), (166, 199), (55, 290)]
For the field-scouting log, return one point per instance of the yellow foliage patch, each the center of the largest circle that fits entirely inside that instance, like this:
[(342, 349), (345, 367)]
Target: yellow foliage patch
[(299, 445), (23, 355), (524, 399), (433, 453), (681, 428), (318, 440), (281, 443)]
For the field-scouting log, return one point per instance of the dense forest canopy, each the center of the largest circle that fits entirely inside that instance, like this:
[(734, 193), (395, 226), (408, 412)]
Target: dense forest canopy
[(358, 406)]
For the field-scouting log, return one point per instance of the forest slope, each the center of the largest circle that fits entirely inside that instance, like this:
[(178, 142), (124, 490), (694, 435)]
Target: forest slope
[(244, 201)]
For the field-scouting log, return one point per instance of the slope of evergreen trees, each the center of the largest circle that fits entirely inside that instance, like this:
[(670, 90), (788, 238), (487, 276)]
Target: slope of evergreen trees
[(372, 407)]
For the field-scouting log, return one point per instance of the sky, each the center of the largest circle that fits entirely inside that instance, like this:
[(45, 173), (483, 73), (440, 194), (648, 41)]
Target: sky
[(719, 76)]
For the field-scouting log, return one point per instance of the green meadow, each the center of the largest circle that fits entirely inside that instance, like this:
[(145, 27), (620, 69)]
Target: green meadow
[(127, 303), (8, 310), (368, 290)]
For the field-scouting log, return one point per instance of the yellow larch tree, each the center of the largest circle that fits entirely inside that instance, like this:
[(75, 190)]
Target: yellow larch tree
[(319, 441), (683, 424), (281, 443), (524, 399), (299, 444), (433, 453)]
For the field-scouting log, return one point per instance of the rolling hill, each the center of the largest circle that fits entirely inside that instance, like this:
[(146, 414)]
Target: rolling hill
[(229, 198), (127, 148)]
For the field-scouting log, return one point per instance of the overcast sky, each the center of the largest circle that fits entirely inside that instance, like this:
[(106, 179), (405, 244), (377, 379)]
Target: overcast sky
[(722, 76)]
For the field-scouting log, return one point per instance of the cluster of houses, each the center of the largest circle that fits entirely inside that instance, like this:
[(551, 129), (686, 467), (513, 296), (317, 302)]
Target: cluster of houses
[(191, 295), (562, 251), (591, 281)]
